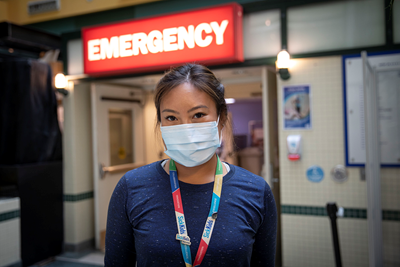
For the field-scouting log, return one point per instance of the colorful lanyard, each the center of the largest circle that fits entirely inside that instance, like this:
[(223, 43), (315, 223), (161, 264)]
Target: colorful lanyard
[(182, 235)]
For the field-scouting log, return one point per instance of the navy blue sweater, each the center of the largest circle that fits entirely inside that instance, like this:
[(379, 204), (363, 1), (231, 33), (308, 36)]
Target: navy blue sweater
[(141, 224)]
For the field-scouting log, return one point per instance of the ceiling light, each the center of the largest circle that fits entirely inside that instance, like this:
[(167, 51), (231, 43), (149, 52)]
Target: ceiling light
[(229, 100), (283, 64), (60, 81)]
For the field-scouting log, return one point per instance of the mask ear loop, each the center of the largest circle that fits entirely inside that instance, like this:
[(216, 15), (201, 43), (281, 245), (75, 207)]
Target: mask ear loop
[(220, 137), (165, 148)]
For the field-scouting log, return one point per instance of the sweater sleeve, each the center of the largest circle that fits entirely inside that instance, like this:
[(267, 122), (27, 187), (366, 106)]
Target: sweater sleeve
[(265, 239), (120, 245)]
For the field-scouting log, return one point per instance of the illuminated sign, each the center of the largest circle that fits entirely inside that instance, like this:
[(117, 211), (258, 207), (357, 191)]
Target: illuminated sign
[(207, 36)]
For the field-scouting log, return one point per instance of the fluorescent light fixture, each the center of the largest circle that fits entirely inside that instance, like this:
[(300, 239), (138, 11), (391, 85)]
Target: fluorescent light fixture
[(229, 100), (60, 81)]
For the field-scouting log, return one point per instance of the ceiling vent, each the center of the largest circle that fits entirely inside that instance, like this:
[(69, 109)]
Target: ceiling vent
[(38, 7)]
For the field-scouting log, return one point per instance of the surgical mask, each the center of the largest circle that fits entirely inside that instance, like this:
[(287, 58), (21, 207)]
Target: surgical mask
[(191, 144)]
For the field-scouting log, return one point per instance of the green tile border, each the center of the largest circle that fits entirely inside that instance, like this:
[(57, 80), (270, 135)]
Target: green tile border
[(391, 215), (387, 215), (78, 197), (303, 210), (9, 215), (355, 213)]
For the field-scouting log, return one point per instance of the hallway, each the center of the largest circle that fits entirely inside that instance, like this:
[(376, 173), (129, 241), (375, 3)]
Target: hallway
[(74, 259)]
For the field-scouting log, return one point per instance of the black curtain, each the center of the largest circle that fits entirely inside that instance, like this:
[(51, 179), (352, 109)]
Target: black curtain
[(29, 131), (30, 155)]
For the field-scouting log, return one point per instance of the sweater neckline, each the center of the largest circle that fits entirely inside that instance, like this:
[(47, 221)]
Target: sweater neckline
[(195, 187)]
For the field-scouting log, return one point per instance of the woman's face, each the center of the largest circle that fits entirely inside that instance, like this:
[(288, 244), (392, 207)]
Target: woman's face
[(185, 104)]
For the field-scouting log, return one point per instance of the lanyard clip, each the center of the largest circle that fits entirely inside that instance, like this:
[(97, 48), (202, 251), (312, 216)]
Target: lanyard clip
[(184, 239), (214, 215)]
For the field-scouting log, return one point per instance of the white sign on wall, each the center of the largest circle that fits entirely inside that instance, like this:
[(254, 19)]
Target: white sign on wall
[(388, 84)]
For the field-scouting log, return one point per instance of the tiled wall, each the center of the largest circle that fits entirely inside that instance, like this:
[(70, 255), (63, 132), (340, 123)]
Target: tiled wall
[(306, 233), (10, 249)]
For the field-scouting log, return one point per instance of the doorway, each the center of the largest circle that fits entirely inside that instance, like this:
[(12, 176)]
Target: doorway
[(251, 94), (117, 141)]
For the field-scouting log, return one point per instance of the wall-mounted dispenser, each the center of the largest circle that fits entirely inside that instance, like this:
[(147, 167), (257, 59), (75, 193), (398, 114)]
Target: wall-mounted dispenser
[(294, 147)]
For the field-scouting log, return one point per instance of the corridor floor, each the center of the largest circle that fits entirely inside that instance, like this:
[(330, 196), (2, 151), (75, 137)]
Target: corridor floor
[(71, 259)]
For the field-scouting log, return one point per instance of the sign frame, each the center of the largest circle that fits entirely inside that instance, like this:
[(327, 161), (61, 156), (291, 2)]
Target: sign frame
[(290, 124), (219, 45), (345, 107)]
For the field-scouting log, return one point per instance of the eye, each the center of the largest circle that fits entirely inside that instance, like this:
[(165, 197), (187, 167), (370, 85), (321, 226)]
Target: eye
[(170, 118), (198, 115)]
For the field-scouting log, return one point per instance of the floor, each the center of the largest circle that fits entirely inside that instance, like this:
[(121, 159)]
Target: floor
[(73, 259)]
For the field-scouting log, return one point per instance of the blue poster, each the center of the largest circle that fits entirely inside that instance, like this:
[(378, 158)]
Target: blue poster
[(296, 107)]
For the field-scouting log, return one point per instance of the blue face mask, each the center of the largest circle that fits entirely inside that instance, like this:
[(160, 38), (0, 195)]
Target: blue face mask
[(191, 144)]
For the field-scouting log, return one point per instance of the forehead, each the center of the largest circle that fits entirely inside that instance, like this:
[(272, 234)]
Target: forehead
[(186, 95)]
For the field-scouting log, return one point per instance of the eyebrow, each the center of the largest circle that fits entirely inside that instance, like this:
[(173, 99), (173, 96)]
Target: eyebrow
[(197, 107), (170, 110), (190, 110)]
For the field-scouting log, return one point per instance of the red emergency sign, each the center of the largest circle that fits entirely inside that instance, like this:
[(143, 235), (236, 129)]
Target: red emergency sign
[(208, 36)]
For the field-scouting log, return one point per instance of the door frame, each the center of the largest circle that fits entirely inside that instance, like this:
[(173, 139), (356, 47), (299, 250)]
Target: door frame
[(271, 172)]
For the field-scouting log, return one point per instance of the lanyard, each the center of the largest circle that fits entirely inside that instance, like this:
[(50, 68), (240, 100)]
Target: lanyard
[(182, 235)]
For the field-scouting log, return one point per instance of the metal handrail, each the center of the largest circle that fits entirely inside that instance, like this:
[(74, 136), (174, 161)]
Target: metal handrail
[(122, 167)]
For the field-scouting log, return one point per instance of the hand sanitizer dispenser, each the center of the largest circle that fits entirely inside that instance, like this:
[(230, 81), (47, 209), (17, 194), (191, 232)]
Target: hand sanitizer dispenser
[(294, 147)]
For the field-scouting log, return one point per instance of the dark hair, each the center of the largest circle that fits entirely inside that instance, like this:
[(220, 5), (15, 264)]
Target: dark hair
[(201, 78)]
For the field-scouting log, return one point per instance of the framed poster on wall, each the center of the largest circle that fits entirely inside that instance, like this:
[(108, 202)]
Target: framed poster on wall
[(387, 66), (296, 107)]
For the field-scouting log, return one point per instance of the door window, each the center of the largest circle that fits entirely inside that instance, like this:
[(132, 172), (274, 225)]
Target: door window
[(120, 133)]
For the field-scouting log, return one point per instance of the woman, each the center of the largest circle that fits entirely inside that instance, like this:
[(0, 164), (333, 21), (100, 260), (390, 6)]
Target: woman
[(191, 210)]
